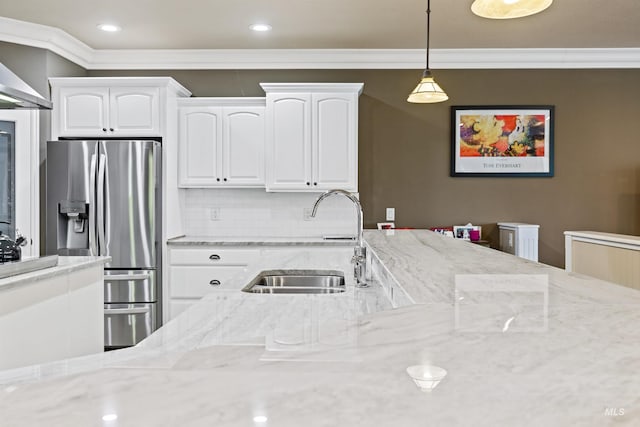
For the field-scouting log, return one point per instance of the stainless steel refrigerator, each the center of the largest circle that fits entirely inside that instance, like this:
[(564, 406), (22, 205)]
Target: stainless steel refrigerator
[(104, 198)]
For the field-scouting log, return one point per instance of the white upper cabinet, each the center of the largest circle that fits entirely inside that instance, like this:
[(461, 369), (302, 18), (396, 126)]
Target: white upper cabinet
[(243, 145), (199, 149), (334, 141), (312, 136), (289, 141), (134, 111), (221, 142), (118, 109), (83, 111)]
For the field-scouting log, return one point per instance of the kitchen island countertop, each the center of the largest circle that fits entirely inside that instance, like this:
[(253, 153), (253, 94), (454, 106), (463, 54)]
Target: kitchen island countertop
[(523, 344), (65, 265)]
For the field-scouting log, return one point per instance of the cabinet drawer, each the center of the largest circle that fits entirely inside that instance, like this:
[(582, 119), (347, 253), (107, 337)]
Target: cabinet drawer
[(196, 282), (213, 256)]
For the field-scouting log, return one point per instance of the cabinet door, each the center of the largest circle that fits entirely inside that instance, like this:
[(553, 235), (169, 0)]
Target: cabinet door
[(243, 146), (334, 141), (134, 111), (508, 241), (83, 111), (200, 147), (288, 141)]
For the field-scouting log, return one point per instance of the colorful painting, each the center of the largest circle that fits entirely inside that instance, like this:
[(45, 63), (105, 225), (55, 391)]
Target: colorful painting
[(502, 141)]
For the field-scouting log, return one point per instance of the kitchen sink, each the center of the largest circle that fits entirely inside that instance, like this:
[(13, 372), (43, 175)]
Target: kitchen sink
[(297, 282)]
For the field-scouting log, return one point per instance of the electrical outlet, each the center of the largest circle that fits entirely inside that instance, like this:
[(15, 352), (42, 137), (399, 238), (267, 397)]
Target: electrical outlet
[(306, 212), (391, 214), (214, 214)]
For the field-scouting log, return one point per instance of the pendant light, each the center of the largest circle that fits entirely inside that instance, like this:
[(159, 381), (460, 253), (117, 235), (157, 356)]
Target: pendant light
[(507, 9), (427, 91)]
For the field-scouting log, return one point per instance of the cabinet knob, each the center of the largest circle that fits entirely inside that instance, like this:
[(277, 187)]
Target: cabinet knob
[(104, 129), (111, 129), (308, 183), (214, 257), (218, 179), (315, 183), (225, 179), (214, 282)]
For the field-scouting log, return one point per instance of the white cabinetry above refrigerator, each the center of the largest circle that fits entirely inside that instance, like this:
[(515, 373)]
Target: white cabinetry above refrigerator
[(111, 107), (103, 111), (312, 136), (221, 142)]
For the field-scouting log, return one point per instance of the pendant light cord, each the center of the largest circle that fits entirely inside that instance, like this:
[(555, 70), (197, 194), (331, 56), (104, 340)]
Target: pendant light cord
[(428, 25)]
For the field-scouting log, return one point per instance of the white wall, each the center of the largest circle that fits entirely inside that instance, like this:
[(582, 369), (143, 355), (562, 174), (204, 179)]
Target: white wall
[(254, 212)]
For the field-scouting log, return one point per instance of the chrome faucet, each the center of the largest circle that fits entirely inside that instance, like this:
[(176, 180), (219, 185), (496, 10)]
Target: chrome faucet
[(359, 258)]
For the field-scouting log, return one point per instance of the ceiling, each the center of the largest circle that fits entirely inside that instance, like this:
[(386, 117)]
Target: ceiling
[(330, 24)]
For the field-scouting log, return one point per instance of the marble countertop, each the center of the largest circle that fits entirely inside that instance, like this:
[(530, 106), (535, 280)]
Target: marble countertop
[(65, 265), (261, 241), (524, 344)]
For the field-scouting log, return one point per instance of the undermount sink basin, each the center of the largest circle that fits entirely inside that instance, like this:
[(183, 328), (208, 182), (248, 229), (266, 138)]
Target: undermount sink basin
[(297, 282)]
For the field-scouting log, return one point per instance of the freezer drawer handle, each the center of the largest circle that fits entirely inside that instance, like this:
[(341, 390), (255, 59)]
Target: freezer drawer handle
[(214, 257), (214, 282), (127, 310), (143, 276)]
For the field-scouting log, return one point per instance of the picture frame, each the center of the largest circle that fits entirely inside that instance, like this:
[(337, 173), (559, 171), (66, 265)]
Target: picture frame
[(463, 231), (502, 141)]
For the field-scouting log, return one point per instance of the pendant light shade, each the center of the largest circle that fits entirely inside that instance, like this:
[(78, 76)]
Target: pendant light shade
[(427, 91), (507, 9)]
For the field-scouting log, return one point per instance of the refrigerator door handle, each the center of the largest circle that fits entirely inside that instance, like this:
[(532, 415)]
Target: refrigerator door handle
[(101, 205), (93, 248), (116, 311), (127, 277)]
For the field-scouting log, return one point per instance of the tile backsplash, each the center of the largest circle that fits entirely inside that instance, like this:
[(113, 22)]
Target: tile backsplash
[(254, 212)]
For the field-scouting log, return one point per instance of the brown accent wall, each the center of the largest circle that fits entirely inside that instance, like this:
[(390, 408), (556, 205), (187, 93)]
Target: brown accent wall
[(404, 148)]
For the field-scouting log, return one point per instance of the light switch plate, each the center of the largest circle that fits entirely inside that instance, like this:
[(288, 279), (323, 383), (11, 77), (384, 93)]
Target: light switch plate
[(391, 214)]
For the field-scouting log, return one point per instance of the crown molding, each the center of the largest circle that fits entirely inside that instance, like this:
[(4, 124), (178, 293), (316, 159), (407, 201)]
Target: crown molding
[(45, 37), (69, 47), (313, 87)]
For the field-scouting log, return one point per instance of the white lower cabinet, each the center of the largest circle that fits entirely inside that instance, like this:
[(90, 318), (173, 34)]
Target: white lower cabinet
[(196, 271), (197, 281), (51, 319)]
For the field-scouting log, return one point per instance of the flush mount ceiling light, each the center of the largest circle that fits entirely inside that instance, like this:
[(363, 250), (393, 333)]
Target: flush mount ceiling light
[(427, 91), (507, 9), (110, 28), (260, 27)]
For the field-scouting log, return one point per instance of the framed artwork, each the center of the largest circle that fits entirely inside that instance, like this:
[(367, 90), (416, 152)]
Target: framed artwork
[(464, 231), (492, 141)]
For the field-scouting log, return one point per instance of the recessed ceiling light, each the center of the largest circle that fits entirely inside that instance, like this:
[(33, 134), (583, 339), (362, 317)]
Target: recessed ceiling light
[(109, 28), (260, 27)]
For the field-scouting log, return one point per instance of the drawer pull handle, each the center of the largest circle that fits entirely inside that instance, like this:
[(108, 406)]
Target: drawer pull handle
[(214, 257), (214, 282), (116, 277)]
